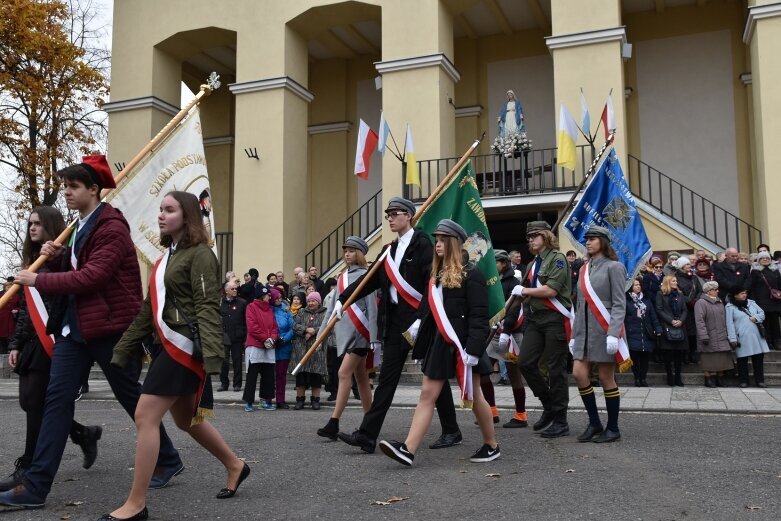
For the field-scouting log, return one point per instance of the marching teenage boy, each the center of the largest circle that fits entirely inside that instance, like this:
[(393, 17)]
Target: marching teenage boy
[(99, 283), (403, 280)]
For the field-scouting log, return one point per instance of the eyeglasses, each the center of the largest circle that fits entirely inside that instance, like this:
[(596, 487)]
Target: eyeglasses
[(532, 236), (393, 215), (657, 267)]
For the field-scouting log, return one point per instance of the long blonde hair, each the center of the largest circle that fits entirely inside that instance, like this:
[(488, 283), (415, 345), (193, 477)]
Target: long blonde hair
[(666, 289), (450, 269)]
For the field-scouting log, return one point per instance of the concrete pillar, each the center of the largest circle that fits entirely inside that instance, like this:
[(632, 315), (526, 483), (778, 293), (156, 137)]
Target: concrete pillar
[(587, 54), (418, 77), (763, 36)]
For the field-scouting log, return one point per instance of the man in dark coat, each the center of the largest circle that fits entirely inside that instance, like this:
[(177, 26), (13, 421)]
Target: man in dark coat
[(234, 332), (731, 274), (98, 282), (413, 253), (247, 290)]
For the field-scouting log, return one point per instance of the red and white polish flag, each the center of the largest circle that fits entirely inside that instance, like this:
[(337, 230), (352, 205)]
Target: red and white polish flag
[(367, 142)]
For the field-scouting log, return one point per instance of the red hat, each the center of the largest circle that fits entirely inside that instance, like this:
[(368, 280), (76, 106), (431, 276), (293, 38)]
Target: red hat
[(99, 171)]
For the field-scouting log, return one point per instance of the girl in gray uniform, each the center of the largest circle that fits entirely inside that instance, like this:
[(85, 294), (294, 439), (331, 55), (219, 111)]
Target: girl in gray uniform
[(356, 329), (590, 342)]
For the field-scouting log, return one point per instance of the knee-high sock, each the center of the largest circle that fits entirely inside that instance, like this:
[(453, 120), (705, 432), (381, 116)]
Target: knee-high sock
[(519, 396), (488, 390), (590, 403), (613, 404)]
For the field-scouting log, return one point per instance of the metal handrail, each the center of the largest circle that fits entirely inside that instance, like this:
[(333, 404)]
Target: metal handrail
[(362, 222), (695, 212), (532, 172)]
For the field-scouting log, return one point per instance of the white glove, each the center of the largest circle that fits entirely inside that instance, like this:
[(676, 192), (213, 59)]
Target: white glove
[(471, 360), (413, 329), (571, 344), (612, 345), (337, 311), (518, 291), (504, 342)]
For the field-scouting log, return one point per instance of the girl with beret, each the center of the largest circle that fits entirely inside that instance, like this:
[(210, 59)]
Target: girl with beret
[(464, 313)]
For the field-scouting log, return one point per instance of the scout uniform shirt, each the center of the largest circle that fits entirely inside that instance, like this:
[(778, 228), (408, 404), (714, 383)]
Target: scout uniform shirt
[(554, 273)]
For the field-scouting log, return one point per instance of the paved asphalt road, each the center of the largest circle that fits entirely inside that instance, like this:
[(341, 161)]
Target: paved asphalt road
[(668, 467)]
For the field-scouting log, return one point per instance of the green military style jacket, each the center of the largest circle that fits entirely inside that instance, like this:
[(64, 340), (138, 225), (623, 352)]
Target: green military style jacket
[(193, 278), (554, 273)]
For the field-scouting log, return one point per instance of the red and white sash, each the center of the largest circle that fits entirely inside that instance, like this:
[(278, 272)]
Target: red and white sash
[(463, 371), (39, 317), (554, 304), (405, 290), (357, 317), (178, 346), (603, 316)]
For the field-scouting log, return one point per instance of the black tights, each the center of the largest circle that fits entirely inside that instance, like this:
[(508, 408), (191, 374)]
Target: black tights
[(673, 358), (32, 398), (640, 364)]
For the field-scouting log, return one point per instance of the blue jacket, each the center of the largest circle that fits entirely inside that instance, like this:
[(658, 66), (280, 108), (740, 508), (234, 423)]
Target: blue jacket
[(285, 324), (635, 329)]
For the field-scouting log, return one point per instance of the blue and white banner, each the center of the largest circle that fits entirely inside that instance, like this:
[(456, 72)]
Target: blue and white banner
[(608, 202)]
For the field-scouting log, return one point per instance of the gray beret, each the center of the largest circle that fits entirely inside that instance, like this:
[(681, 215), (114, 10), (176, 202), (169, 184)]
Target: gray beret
[(356, 242), (399, 203), (502, 255), (711, 284), (451, 229), (537, 226), (598, 231)]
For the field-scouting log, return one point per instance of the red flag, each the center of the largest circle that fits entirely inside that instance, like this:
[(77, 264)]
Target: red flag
[(608, 118), (367, 142)]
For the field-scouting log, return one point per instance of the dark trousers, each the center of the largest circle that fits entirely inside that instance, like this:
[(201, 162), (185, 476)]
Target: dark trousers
[(32, 399), (333, 362), (267, 377), (640, 363), (759, 369), (673, 359), (281, 370), (394, 353), (234, 354), (70, 366), (545, 339), (773, 328)]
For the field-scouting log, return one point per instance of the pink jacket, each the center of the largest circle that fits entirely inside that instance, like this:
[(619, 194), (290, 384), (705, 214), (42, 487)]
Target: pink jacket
[(261, 324)]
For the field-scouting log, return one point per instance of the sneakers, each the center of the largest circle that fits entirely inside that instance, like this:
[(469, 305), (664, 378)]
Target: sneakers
[(266, 405), (485, 454), (398, 451), (162, 476), (249, 408), (20, 497), (20, 469)]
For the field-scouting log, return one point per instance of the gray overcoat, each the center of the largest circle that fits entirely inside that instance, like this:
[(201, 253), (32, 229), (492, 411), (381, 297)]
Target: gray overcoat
[(741, 329), (710, 319), (347, 336), (608, 278)]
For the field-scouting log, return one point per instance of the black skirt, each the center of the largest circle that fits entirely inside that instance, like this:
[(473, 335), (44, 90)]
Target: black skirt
[(440, 361), (167, 377)]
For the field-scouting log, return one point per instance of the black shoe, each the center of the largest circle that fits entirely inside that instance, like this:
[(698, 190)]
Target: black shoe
[(607, 436), (643, 383), (516, 424), (545, 420), (762, 385), (15, 479), (315, 401), (397, 451), (719, 383), (670, 380), (236, 389), (226, 492), (503, 381), (710, 381), (300, 400), (89, 444), (331, 429), (282, 405), (485, 454), (637, 383), (447, 440), (589, 433), (678, 381), (222, 389), (742, 385), (358, 439), (557, 429), (141, 516), (331, 397)]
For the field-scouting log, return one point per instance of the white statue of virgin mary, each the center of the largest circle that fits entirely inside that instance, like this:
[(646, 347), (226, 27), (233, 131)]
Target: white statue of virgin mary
[(511, 116)]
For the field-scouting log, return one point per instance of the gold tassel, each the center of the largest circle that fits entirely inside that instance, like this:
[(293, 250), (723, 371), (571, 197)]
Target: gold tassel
[(625, 366), (408, 338), (511, 357), (467, 404), (146, 359), (200, 416)]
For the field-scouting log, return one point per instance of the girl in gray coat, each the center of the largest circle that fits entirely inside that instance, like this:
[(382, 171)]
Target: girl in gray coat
[(355, 331), (744, 320), (590, 341)]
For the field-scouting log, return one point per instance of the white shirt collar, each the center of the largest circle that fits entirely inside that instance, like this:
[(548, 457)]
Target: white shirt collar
[(407, 237), (83, 221)]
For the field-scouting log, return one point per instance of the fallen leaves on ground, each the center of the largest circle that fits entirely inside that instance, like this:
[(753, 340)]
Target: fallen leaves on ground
[(493, 475), (569, 471), (753, 507), (74, 503), (390, 500)]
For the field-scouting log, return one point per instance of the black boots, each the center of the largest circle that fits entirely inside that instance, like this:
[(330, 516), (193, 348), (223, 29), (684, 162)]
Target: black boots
[(87, 438), (710, 381), (20, 468), (331, 429), (300, 400), (315, 401)]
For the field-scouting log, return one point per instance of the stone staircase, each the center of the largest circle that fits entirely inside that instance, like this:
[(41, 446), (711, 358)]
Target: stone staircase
[(691, 374)]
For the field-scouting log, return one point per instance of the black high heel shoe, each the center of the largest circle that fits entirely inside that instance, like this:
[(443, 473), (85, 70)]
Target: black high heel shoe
[(141, 516), (227, 492)]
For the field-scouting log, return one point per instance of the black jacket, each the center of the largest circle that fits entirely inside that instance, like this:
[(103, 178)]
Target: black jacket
[(467, 309), (729, 278), (234, 320), (415, 267), (247, 290), (32, 356), (509, 281), (761, 281)]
